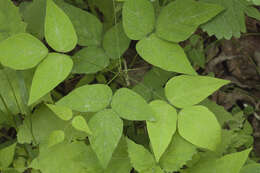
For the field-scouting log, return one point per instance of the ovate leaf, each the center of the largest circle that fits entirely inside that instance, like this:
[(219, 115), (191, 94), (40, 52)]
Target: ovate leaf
[(6, 154), (10, 20), (88, 27), (131, 106), (138, 18), (192, 122), (107, 130), (90, 60), (56, 137), (80, 124), (52, 71), (22, 51), (115, 41), (59, 31), (161, 131), (88, 98), (180, 19), (163, 54), (141, 158), (177, 154), (184, 91), (62, 112)]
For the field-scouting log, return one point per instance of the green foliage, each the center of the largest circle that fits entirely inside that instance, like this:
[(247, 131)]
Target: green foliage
[(73, 97)]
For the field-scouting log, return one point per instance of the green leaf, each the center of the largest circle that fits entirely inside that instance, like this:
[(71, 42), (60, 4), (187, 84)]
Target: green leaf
[(59, 31), (6, 154), (22, 51), (88, 27), (231, 22), (115, 41), (34, 15), (80, 124), (62, 112), (66, 158), (141, 159), (177, 154), (221, 114), (232, 163), (88, 98), (107, 131), (10, 20), (161, 131), (193, 121), (163, 54), (52, 71), (184, 91), (90, 60), (56, 137), (251, 168), (180, 19), (138, 18), (120, 161), (131, 106)]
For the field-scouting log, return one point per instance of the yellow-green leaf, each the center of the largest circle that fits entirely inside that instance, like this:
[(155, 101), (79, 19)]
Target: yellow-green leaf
[(62, 112), (161, 131), (22, 51), (58, 30), (80, 124), (52, 71), (56, 137), (200, 127)]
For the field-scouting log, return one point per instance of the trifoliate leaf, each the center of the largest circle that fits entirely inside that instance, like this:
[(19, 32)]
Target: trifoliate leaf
[(62, 112), (6, 154), (251, 168), (138, 18), (56, 137), (59, 31), (163, 54), (88, 27), (184, 91), (67, 158), (141, 159), (88, 98), (161, 131), (10, 20), (22, 51), (107, 130), (230, 22), (120, 161), (90, 60), (115, 41), (177, 154), (34, 15), (190, 123), (131, 106), (80, 124), (52, 71), (180, 19)]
